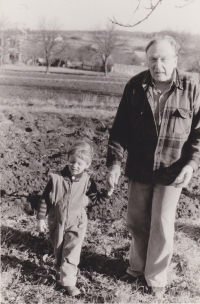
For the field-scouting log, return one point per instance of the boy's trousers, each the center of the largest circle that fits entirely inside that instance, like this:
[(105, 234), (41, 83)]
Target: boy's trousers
[(71, 250), (150, 220)]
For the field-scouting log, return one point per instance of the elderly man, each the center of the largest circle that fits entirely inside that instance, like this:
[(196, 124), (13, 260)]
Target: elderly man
[(158, 123)]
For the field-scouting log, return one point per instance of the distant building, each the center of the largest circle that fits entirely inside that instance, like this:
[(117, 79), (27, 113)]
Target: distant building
[(13, 45), (59, 38)]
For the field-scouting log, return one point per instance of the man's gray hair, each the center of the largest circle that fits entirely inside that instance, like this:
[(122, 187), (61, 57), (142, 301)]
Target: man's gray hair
[(170, 39)]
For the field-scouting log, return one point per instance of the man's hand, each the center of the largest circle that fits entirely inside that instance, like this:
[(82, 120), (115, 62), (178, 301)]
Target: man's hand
[(112, 177), (184, 177), (41, 225)]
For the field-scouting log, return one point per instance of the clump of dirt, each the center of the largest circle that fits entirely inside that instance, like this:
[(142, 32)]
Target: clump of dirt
[(35, 144)]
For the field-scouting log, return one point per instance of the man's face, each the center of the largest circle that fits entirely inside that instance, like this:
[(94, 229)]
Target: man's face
[(161, 60)]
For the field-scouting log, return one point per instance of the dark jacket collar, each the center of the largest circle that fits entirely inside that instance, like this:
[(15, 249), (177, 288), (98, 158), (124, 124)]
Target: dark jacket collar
[(68, 176), (147, 79)]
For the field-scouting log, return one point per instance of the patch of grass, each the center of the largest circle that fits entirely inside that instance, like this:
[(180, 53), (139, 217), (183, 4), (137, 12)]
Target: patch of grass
[(27, 257)]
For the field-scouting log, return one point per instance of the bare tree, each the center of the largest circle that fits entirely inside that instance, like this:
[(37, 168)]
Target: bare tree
[(50, 40), (104, 44), (150, 8)]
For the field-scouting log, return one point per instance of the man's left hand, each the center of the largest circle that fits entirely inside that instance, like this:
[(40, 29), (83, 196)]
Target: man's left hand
[(184, 177)]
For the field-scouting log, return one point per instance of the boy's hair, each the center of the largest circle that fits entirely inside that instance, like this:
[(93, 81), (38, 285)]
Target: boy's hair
[(82, 149)]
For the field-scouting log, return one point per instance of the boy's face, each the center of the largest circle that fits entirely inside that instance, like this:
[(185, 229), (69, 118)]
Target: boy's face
[(77, 165)]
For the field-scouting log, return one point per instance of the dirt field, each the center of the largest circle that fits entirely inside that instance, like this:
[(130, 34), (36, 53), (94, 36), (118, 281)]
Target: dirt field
[(40, 117)]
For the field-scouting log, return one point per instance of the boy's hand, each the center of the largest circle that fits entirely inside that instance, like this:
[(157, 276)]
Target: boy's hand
[(112, 177), (110, 184), (41, 225), (110, 192)]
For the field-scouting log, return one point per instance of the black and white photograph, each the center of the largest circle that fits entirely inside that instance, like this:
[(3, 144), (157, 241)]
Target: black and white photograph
[(100, 151)]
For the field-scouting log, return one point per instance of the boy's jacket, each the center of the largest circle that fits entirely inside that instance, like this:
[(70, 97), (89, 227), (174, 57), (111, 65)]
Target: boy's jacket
[(63, 199)]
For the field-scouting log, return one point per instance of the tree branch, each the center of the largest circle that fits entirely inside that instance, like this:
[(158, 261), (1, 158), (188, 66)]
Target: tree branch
[(189, 2), (152, 8), (137, 8)]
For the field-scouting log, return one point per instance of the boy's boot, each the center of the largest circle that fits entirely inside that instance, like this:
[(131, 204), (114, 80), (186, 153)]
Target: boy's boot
[(72, 290)]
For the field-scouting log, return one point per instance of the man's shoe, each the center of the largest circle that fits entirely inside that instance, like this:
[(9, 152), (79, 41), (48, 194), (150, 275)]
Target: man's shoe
[(158, 292), (128, 278), (72, 290)]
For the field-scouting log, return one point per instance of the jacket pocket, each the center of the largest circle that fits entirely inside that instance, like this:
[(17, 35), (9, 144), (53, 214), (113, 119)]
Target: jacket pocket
[(180, 121)]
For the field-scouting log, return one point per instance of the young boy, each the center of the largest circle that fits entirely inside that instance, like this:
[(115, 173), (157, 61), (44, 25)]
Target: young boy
[(64, 200)]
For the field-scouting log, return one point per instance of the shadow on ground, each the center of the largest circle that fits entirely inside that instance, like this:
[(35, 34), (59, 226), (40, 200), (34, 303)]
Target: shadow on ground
[(27, 250)]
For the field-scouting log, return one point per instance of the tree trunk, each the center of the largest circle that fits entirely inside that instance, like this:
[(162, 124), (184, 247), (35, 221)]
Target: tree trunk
[(48, 64), (47, 68), (105, 68)]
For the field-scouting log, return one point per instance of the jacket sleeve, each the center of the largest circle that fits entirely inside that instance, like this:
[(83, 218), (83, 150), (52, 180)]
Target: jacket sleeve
[(194, 138), (96, 196), (118, 140), (45, 203)]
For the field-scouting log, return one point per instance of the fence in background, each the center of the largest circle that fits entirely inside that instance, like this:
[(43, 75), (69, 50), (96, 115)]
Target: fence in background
[(129, 70)]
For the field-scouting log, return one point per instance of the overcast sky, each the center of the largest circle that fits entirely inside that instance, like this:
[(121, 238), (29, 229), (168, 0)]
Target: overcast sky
[(90, 14)]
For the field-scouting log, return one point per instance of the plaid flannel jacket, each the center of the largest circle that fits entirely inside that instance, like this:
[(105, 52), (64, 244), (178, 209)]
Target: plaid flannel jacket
[(153, 157)]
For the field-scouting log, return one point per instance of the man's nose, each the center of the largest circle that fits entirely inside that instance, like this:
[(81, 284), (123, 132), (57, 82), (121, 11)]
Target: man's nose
[(158, 63)]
